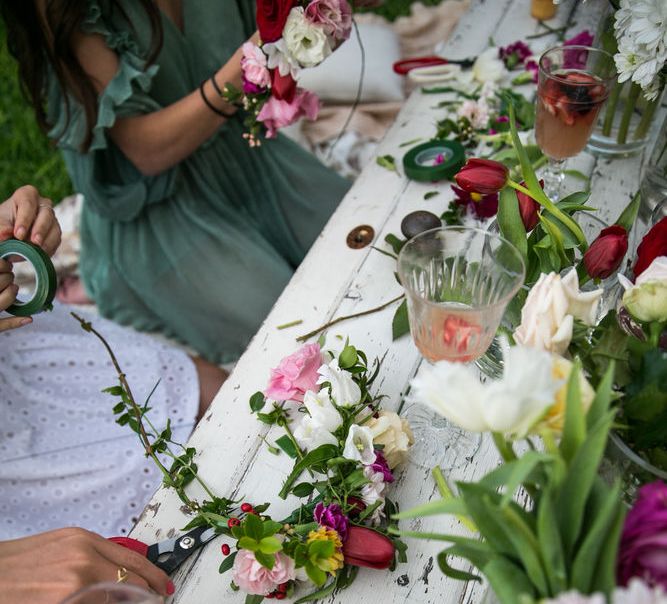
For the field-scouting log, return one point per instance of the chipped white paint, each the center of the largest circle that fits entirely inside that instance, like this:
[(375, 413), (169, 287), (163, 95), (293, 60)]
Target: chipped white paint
[(335, 280)]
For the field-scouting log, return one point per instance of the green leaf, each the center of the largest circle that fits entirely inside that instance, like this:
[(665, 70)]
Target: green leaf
[(388, 162), (266, 560), (270, 527), (253, 599), (119, 408), (629, 214), (227, 563), (549, 539), (320, 550), (347, 358), (574, 429), (315, 574), (508, 580), (303, 489), (604, 577), (257, 402), (319, 594), (399, 324), (509, 221), (519, 471), (434, 508), (429, 194), (248, 543), (316, 456), (114, 390), (270, 545), (286, 444), (454, 573), (395, 243), (253, 527), (577, 174), (600, 405)]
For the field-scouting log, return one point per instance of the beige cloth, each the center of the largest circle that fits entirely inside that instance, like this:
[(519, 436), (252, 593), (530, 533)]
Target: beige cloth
[(418, 34)]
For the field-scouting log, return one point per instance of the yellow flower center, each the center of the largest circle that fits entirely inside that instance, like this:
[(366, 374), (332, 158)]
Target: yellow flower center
[(476, 196)]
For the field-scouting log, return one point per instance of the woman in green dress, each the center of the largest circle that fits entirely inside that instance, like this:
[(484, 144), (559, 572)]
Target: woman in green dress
[(185, 229)]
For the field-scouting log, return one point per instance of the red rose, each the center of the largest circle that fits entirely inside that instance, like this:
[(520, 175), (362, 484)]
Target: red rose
[(271, 17), (606, 253), (484, 176), (283, 87), (653, 244)]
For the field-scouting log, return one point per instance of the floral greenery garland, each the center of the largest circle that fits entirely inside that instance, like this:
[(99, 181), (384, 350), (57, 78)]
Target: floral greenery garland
[(342, 439)]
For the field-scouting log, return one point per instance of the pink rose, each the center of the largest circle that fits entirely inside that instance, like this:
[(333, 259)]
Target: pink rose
[(254, 66), (253, 578), (296, 373), (335, 17), (278, 113)]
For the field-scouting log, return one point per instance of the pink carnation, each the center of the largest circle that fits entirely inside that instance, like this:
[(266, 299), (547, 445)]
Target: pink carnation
[(296, 373), (254, 66), (335, 16), (253, 578), (278, 113)]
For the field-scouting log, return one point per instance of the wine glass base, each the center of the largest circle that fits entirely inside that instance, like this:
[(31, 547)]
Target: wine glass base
[(438, 442)]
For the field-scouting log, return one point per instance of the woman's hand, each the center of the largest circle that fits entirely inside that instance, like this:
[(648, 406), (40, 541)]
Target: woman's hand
[(48, 567), (29, 217)]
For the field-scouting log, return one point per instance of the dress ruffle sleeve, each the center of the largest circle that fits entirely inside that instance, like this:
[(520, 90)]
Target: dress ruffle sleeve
[(114, 187)]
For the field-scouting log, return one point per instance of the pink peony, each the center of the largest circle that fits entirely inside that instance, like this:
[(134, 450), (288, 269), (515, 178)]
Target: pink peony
[(253, 578), (296, 373), (254, 66), (335, 16), (643, 548), (277, 113)]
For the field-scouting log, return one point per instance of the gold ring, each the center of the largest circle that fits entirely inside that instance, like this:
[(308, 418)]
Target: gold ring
[(46, 205), (121, 575)]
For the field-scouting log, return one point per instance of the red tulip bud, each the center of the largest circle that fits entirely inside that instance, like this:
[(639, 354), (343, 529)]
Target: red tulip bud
[(606, 253), (283, 87), (529, 209), (366, 547), (483, 176)]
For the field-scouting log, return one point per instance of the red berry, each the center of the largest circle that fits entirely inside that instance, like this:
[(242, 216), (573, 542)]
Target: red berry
[(280, 596), (246, 507), (225, 549), (269, 596), (282, 588), (232, 522)]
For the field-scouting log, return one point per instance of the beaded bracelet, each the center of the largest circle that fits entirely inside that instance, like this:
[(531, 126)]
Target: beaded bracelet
[(211, 106)]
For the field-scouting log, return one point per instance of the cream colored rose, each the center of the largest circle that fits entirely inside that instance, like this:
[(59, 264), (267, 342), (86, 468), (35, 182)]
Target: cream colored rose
[(304, 40), (646, 300), (394, 433), (547, 317)]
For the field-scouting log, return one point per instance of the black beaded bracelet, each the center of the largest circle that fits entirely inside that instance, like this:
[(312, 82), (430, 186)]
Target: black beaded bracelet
[(211, 106)]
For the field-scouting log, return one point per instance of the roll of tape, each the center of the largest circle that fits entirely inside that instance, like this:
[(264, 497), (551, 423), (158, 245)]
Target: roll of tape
[(45, 277), (423, 163)]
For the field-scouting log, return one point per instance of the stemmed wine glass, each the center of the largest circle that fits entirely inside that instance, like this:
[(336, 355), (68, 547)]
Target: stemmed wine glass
[(573, 84), (458, 281)]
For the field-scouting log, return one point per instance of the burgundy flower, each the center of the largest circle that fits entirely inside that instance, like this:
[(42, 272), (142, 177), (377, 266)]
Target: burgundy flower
[(643, 547), (380, 465), (366, 547), (250, 88), (606, 253), (271, 17), (514, 54), (529, 209), (332, 517), (482, 206), (533, 68), (356, 506), (653, 244), (484, 176), (576, 59), (283, 87)]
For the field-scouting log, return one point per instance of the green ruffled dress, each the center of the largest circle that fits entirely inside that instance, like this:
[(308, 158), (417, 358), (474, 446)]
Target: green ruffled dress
[(202, 251)]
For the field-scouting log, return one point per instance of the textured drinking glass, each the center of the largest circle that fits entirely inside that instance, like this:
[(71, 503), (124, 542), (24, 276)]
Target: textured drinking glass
[(113, 593), (573, 84), (458, 282)]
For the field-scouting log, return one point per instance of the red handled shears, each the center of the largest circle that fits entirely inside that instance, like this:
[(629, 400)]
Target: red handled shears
[(406, 65), (170, 553)]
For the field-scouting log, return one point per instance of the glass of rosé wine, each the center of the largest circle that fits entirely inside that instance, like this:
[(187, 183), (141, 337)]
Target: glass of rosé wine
[(458, 281), (573, 84)]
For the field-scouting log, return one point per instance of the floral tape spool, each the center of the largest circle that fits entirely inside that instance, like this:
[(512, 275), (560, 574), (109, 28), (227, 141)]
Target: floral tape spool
[(45, 277), (434, 160)]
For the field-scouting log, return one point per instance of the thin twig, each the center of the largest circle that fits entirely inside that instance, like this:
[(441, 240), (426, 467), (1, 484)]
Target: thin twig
[(310, 334)]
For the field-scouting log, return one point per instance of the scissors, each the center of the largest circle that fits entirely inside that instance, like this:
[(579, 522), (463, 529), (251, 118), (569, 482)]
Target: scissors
[(404, 66), (170, 553)]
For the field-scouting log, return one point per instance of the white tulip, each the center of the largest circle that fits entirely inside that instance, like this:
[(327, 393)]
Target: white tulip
[(646, 300)]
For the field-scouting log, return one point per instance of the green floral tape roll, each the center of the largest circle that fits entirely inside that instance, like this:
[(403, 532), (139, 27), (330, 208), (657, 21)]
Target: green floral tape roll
[(434, 160), (45, 277)]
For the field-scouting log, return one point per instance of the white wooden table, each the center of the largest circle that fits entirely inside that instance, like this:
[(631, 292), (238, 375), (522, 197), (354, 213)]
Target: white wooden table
[(335, 280)]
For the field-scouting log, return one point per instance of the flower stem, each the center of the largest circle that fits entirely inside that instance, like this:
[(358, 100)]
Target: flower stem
[(504, 447), (628, 110), (310, 334), (647, 118), (610, 111)]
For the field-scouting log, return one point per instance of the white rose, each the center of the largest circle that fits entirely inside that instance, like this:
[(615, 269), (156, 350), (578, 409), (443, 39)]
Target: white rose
[(359, 445), (344, 390), (488, 67), (305, 41), (394, 433)]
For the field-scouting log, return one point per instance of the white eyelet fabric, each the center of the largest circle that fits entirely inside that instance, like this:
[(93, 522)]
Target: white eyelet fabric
[(63, 459)]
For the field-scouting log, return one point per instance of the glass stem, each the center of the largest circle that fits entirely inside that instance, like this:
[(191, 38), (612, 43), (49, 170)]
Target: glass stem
[(553, 177), (628, 110)]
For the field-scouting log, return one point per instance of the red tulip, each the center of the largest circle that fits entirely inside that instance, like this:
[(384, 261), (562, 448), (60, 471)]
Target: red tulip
[(283, 87), (366, 547), (653, 244), (606, 253), (483, 176), (529, 209)]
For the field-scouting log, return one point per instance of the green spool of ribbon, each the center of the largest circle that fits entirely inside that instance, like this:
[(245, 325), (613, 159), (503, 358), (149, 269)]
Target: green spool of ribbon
[(45, 277), (423, 163)]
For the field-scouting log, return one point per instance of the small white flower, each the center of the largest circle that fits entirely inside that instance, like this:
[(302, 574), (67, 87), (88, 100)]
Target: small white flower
[(344, 390), (279, 57), (306, 41), (638, 592), (373, 492), (310, 434), (476, 112), (359, 445), (322, 410), (488, 67)]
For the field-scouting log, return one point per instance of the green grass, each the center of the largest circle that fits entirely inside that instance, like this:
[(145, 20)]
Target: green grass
[(26, 154)]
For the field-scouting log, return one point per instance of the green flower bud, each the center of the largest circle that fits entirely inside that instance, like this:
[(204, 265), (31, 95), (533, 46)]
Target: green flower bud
[(647, 302)]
